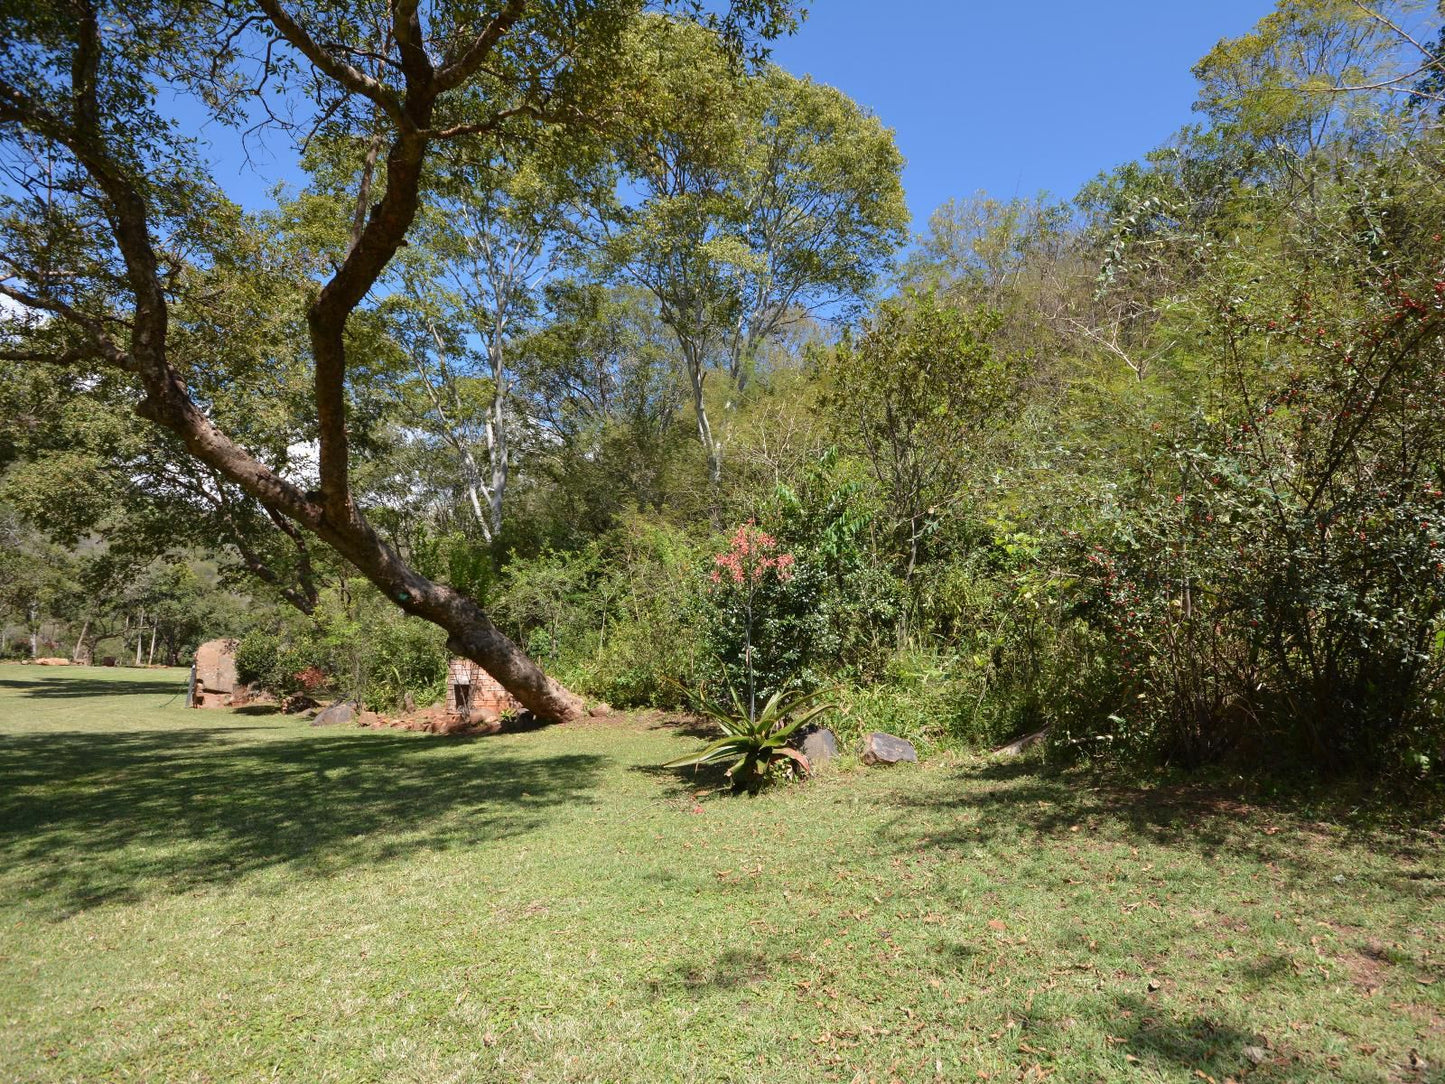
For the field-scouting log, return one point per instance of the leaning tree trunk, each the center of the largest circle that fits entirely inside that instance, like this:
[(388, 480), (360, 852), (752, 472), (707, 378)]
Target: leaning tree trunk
[(330, 513), (471, 633)]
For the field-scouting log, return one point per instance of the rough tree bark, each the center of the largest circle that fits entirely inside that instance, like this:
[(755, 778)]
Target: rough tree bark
[(331, 513)]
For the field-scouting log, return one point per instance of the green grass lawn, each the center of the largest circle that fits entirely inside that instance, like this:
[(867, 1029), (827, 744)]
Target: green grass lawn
[(223, 896)]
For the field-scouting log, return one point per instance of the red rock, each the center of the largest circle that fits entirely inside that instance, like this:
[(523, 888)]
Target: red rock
[(216, 666)]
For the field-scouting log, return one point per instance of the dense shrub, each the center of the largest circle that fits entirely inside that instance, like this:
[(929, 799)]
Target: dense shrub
[(276, 661), (616, 619), (364, 651), (1246, 619)]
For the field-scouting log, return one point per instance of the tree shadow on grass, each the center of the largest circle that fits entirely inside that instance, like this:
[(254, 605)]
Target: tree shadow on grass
[(66, 687), (733, 968), (1027, 798), (1015, 805), (92, 818), (690, 781), (1209, 1047), (1163, 1038), (680, 783), (689, 726)]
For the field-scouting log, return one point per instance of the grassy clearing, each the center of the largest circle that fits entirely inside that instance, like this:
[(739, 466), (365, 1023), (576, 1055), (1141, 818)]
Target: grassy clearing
[(219, 896)]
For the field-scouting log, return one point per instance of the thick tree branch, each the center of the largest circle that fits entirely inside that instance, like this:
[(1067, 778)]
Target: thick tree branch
[(350, 77), (406, 25), (167, 400), (459, 70)]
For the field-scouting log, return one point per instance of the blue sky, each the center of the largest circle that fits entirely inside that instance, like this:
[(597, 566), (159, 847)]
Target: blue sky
[(1015, 98), (1011, 98)]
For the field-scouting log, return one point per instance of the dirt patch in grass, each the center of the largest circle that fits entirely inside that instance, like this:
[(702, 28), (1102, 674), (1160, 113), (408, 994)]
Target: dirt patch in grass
[(1368, 968)]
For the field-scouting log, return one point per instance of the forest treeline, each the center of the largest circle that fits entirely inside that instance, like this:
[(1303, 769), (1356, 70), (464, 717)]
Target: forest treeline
[(1158, 469)]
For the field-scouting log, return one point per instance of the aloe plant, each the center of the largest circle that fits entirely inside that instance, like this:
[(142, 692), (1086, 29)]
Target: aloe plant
[(756, 740)]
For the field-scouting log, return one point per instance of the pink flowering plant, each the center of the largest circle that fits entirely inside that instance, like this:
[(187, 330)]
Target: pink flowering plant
[(755, 632), (750, 602)]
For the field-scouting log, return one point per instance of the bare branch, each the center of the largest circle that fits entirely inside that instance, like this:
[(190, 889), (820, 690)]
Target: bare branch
[(102, 345)]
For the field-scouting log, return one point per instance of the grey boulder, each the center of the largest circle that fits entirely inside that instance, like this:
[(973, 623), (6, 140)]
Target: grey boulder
[(820, 746), (343, 711), (879, 748)]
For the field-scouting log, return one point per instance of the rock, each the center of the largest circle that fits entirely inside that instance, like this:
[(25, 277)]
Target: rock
[(52, 662), (296, 703), (1028, 741), (108, 660), (599, 709), (1258, 1055), (879, 748), (820, 746), (483, 721), (343, 711), (216, 666), (238, 697), (477, 721)]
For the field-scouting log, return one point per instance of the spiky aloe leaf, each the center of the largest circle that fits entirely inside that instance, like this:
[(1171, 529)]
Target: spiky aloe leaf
[(755, 741), (770, 709), (802, 719), (718, 750)]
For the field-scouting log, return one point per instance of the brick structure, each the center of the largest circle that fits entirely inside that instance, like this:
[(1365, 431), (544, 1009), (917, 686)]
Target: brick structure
[(470, 688)]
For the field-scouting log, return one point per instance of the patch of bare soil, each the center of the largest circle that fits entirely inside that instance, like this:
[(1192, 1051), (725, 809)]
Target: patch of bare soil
[(437, 720), (1368, 967)]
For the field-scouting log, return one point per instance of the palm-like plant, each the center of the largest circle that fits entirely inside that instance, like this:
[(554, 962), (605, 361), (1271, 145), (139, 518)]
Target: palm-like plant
[(756, 741)]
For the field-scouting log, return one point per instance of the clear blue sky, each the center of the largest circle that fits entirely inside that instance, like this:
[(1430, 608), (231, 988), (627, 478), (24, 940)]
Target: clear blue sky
[(1015, 97)]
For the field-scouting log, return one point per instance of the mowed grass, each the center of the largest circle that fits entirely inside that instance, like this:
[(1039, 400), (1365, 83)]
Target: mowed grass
[(221, 896)]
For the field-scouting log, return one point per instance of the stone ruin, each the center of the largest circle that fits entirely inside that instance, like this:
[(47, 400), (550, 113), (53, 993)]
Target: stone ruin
[(214, 683)]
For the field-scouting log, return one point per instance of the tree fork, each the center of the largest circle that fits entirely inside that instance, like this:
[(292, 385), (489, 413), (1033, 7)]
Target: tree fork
[(168, 402)]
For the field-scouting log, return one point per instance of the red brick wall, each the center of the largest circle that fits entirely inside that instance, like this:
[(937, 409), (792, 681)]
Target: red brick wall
[(486, 692)]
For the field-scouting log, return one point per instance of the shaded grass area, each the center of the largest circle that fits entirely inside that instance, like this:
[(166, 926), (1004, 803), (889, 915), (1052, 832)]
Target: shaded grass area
[(211, 896), (123, 816)]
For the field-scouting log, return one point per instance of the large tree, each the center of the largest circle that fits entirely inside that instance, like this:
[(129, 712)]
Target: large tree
[(113, 230), (755, 202)]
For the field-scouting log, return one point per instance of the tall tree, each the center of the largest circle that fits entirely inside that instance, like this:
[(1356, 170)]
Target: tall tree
[(602, 399), (493, 233), (759, 202), (109, 224), (911, 393)]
